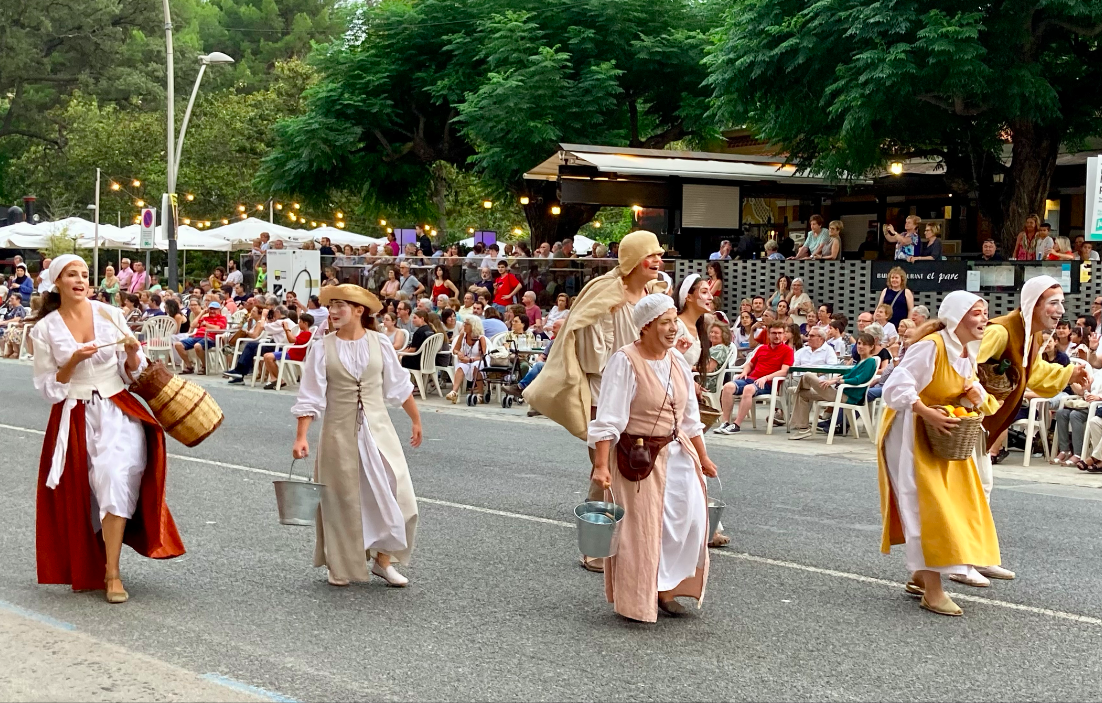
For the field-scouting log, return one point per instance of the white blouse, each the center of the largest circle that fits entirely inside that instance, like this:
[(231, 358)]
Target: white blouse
[(915, 372), (692, 354), (353, 356), (105, 372), (618, 382)]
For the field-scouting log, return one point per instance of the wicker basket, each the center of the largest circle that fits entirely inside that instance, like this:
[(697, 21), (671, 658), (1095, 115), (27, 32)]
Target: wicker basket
[(709, 416), (961, 440), (998, 385), (186, 411)]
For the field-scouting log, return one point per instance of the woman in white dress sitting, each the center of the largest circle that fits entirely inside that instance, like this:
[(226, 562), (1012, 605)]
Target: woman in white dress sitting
[(368, 508)]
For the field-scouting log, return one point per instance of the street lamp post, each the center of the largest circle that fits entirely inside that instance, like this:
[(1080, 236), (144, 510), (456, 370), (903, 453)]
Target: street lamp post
[(172, 151)]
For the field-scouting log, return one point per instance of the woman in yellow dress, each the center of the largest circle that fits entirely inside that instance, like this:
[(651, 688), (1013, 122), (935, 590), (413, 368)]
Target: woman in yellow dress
[(936, 508)]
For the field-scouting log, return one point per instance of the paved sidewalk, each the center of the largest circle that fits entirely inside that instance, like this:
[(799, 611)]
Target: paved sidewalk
[(51, 661)]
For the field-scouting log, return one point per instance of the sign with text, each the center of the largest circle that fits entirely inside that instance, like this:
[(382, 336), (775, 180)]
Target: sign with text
[(1093, 221), (922, 275), (148, 227)]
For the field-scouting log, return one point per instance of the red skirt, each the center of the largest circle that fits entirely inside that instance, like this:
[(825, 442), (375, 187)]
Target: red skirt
[(68, 548)]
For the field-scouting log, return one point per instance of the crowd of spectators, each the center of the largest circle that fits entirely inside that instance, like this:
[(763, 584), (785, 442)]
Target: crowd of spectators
[(501, 312)]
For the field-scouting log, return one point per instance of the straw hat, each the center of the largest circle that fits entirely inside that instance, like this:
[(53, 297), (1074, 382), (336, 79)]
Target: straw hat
[(351, 294)]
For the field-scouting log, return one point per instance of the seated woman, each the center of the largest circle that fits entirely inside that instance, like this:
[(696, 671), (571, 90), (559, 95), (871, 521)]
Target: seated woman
[(425, 325), (719, 335), (469, 348), (399, 338)]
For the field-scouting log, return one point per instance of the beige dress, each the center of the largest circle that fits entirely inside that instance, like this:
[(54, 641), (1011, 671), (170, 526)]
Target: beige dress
[(368, 504), (663, 541)]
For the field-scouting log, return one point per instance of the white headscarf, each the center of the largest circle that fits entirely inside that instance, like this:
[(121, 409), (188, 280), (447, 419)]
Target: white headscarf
[(58, 265), (953, 309), (651, 307), (685, 286), (1031, 294)]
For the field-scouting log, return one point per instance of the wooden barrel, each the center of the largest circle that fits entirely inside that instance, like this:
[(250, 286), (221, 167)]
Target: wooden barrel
[(186, 411)]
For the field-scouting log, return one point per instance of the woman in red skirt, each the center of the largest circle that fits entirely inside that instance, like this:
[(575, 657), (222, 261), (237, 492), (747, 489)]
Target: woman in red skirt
[(101, 479)]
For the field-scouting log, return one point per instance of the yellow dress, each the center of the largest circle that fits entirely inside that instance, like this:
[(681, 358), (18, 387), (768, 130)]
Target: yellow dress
[(1046, 379), (943, 501)]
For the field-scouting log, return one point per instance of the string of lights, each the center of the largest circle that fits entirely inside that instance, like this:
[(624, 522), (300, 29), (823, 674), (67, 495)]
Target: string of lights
[(290, 215)]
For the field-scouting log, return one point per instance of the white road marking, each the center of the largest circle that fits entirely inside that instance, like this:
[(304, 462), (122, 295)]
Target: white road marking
[(1061, 615), (247, 688)]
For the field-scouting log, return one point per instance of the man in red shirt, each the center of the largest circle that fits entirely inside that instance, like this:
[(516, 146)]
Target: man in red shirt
[(506, 287), (769, 361), (207, 327)]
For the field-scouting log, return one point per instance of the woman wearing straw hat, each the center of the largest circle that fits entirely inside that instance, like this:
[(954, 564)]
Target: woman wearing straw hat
[(102, 472), (647, 394), (936, 507), (368, 509)]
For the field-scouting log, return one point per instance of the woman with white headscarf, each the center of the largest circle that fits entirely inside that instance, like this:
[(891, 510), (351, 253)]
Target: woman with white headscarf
[(102, 471), (933, 506), (1016, 338), (648, 396)]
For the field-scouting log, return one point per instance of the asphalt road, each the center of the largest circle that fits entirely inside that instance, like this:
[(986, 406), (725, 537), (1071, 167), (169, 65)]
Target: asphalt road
[(802, 607)]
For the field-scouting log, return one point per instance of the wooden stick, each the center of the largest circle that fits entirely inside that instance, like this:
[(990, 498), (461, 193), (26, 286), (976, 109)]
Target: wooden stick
[(106, 315)]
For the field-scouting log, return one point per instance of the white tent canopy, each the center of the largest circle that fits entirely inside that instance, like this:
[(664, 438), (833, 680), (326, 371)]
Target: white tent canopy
[(30, 236), (342, 237), (187, 239), (242, 233)]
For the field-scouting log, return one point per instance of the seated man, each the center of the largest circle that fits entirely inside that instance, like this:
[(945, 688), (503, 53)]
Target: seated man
[(276, 327), (816, 352), (812, 388), (770, 361), (305, 322), (205, 330)]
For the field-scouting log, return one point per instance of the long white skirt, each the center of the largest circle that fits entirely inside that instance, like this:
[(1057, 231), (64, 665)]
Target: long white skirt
[(684, 520), (899, 456), (384, 527), (116, 459)]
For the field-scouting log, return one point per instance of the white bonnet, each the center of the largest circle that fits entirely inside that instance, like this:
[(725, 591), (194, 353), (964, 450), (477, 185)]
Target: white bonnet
[(650, 307)]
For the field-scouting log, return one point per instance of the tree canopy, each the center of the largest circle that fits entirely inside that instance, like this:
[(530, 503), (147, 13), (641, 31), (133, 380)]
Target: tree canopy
[(491, 86), (846, 85), (110, 54)]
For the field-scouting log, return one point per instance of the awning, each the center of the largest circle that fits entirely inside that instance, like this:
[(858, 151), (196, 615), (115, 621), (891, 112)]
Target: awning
[(603, 162)]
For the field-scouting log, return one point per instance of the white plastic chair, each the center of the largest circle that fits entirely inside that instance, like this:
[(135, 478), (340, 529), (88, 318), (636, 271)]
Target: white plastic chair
[(713, 396), (1038, 418), (775, 392), (852, 410), (291, 368), (429, 350), (258, 360), (158, 334), (1095, 404)]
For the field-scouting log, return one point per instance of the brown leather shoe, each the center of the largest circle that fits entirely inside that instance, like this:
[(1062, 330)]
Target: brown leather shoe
[(672, 607), (597, 565)]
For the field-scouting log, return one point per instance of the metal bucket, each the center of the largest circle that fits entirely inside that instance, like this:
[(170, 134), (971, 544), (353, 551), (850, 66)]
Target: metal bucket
[(716, 504), (598, 524), (297, 500)]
